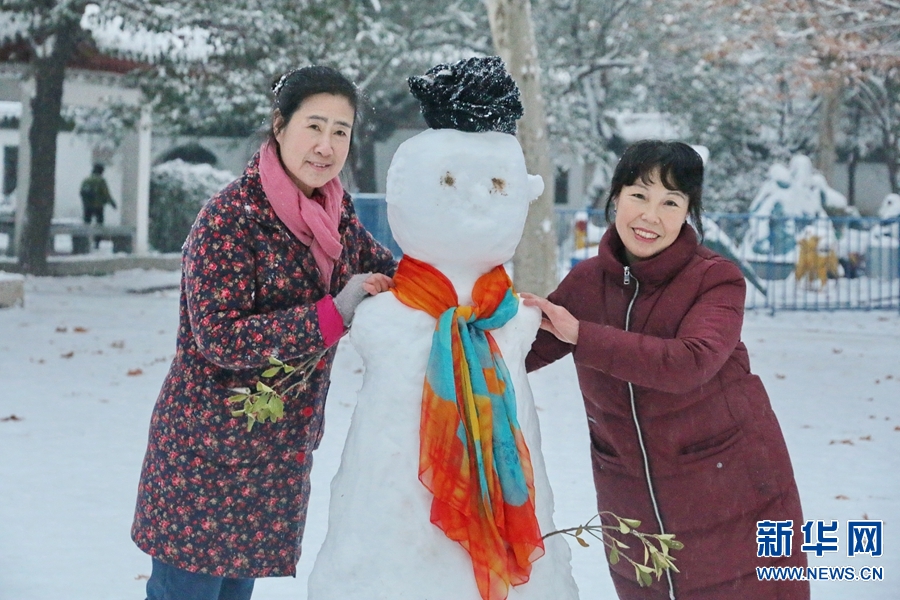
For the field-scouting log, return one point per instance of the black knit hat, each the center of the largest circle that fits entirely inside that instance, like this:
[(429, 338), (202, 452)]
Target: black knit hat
[(476, 94)]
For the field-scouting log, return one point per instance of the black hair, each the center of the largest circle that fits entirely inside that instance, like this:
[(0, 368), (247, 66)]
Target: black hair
[(292, 88), (680, 168), (98, 169), (475, 94)]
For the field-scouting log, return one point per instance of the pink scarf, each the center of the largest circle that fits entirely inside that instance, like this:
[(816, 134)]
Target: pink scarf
[(314, 224)]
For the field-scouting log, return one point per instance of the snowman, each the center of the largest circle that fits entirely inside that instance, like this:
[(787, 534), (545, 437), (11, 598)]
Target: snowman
[(442, 492)]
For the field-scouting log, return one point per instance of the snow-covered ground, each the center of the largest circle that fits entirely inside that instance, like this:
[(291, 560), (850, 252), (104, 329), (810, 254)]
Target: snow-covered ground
[(81, 364)]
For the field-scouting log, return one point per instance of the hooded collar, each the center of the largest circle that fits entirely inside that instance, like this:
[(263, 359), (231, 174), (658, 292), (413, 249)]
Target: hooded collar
[(652, 271)]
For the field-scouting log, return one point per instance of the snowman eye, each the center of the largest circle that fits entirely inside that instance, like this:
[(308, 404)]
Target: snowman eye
[(448, 179), (499, 185)]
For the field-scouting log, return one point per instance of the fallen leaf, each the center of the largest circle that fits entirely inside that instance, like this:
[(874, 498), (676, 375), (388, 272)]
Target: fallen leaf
[(79, 329), (848, 442), (133, 372), (118, 344), (357, 370), (866, 516), (841, 497), (61, 329), (11, 418), (780, 376), (897, 428), (142, 578), (67, 355), (866, 438), (836, 350)]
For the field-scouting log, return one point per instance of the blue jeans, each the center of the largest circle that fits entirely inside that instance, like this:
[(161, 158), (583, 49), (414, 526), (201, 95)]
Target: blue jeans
[(171, 583)]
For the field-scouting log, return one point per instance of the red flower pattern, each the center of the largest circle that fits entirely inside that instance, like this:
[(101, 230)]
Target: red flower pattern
[(213, 497)]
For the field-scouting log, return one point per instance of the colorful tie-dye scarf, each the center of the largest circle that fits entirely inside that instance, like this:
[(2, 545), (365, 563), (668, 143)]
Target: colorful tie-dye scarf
[(472, 455)]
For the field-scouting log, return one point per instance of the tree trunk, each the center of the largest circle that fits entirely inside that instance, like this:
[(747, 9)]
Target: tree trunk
[(534, 265), (892, 160), (364, 178), (853, 159), (828, 125), (46, 106)]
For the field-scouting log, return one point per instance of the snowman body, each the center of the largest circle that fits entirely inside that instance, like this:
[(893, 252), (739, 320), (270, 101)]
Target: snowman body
[(457, 201)]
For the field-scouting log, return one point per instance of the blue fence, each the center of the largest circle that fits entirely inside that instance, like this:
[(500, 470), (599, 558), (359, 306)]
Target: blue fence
[(791, 263), (372, 212), (846, 263)]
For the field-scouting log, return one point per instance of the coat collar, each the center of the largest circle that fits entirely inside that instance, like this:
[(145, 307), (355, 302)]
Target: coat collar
[(652, 271)]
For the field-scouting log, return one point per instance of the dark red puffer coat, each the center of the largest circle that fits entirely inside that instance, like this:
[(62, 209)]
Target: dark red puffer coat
[(667, 330)]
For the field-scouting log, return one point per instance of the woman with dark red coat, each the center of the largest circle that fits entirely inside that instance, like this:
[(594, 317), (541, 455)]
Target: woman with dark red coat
[(682, 434), (274, 266)]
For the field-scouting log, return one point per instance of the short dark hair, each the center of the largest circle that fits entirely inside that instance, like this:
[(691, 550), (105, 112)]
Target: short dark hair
[(292, 88), (680, 168), (98, 169)]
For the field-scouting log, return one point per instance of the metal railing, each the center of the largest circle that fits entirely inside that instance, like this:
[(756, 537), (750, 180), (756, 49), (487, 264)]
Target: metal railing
[(790, 263)]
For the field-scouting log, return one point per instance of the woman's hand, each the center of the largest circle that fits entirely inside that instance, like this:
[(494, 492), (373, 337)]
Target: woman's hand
[(358, 288), (377, 283), (556, 319)]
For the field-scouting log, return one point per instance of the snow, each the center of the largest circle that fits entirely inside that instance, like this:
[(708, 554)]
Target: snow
[(634, 126), (113, 33), (69, 464), (10, 110), (458, 201)]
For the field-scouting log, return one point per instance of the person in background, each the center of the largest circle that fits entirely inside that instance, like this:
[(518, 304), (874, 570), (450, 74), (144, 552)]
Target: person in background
[(274, 266), (682, 434), (94, 197)]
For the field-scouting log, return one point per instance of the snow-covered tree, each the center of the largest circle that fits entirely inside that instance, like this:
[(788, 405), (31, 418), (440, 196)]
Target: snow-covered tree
[(376, 44), (210, 66), (50, 32)]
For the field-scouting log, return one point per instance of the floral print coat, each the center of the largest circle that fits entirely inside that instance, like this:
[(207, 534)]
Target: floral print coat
[(213, 497)]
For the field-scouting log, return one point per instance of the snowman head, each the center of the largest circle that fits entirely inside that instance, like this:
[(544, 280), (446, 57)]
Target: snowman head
[(458, 193), (460, 197), (780, 175), (801, 169), (890, 207)]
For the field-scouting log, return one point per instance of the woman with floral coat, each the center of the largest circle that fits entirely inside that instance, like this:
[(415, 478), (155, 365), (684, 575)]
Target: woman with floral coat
[(274, 266)]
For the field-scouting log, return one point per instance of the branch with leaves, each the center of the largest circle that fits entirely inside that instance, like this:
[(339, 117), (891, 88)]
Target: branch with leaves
[(656, 558), (267, 402)]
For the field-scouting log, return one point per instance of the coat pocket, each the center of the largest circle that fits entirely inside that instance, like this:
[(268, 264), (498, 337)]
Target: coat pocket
[(710, 446), (713, 484)]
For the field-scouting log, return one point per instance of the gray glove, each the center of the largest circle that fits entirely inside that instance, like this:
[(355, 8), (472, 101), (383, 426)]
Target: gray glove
[(349, 298)]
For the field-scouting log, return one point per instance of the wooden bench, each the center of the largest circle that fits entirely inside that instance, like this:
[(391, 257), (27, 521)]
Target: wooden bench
[(122, 236)]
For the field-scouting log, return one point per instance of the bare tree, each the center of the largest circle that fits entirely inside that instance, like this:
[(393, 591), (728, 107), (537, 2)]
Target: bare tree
[(534, 265)]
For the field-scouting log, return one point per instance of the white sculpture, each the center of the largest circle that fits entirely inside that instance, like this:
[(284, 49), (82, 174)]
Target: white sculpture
[(457, 201)]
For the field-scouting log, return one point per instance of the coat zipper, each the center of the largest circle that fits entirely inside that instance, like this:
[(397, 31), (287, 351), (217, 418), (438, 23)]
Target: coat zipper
[(637, 426)]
